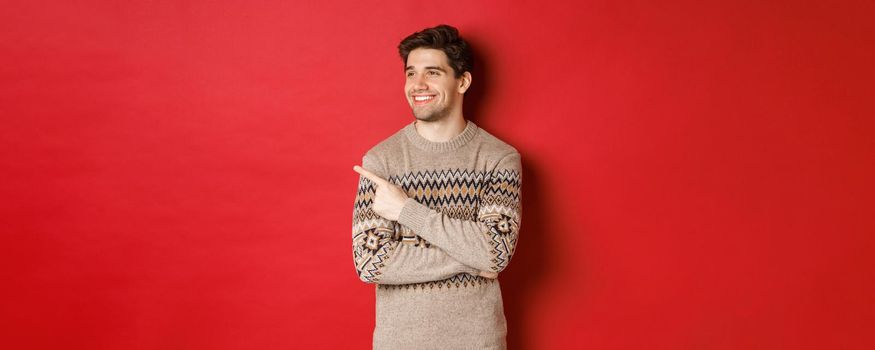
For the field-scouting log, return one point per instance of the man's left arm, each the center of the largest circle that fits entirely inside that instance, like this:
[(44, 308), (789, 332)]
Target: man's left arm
[(487, 243)]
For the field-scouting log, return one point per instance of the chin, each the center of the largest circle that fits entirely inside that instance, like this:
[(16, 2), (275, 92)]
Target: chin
[(428, 116)]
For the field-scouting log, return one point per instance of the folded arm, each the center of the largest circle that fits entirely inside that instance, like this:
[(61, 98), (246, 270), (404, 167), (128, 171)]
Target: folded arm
[(487, 243), (379, 254)]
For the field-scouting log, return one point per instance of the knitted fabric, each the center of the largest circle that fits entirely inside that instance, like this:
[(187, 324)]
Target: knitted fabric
[(462, 216)]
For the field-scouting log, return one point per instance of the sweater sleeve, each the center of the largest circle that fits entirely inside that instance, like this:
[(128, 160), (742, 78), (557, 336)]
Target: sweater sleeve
[(487, 243), (380, 255)]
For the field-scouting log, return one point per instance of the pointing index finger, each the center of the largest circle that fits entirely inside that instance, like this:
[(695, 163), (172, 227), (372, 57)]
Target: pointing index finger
[(371, 176)]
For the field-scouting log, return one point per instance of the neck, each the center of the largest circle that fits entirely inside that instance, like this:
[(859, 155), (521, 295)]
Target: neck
[(441, 130)]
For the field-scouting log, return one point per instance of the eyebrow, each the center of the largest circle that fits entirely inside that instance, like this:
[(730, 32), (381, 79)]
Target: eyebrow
[(429, 67)]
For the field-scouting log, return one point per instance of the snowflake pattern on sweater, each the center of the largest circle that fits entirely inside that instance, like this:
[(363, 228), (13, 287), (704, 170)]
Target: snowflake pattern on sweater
[(491, 199)]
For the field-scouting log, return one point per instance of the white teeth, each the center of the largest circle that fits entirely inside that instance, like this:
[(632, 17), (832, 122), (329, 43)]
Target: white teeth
[(422, 98)]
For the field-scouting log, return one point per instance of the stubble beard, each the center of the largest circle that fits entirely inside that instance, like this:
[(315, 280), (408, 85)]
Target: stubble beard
[(430, 115)]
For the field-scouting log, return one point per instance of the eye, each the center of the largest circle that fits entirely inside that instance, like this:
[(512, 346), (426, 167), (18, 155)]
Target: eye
[(433, 72), (409, 74)]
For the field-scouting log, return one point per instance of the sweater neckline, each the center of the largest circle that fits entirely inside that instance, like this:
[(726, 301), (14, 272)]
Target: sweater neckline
[(454, 143)]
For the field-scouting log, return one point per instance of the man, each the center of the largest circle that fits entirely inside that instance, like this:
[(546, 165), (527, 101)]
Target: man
[(437, 212)]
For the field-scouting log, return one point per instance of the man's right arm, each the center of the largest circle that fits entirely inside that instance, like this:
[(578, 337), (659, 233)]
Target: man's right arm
[(378, 253)]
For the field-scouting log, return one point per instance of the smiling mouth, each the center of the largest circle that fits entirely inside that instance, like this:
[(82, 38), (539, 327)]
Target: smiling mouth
[(421, 100)]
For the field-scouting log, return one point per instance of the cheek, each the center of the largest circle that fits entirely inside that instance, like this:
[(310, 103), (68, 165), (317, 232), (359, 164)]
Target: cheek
[(449, 88)]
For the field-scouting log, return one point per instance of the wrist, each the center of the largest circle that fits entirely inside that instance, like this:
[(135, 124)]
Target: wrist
[(413, 215)]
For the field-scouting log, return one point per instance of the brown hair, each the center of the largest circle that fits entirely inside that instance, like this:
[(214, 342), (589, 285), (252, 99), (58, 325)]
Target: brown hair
[(442, 37)]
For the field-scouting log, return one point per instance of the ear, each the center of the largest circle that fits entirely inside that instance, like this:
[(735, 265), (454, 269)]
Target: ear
[(464, 82)]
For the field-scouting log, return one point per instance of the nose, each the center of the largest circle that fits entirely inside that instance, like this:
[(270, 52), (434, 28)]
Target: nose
[(419, 82)]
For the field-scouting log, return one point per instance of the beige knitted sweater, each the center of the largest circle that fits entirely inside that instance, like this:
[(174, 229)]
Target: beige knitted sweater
[(463, 216)]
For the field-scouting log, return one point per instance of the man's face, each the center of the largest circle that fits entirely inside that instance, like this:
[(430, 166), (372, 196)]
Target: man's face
[(431, 88)]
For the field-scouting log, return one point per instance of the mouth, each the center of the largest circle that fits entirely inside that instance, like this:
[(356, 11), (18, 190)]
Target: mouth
[(422, 99)]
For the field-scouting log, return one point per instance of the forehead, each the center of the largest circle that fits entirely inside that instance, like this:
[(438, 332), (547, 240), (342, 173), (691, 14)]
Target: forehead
[(426, 57)]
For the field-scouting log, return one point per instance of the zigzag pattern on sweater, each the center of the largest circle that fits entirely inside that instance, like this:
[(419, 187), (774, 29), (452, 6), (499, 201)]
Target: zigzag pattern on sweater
[(489, 197), (461, 280)]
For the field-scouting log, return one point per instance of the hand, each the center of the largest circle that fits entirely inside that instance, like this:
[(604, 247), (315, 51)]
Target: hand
[(388, 198)]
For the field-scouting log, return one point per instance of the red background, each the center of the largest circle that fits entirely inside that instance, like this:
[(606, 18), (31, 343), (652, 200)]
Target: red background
[(178, 174)]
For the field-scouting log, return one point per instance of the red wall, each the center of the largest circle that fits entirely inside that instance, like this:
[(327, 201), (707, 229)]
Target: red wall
[(178, 174)]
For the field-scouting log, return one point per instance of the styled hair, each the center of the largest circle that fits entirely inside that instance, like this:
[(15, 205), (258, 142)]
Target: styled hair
[(442, 37)]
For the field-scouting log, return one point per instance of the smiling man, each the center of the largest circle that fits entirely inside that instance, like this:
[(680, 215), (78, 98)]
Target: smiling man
[(437, 212)]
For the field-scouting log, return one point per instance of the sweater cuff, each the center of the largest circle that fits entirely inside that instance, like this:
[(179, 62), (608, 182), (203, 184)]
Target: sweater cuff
[(413, 215)]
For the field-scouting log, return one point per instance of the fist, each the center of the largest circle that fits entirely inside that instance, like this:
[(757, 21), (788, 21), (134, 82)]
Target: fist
[(388, 198)]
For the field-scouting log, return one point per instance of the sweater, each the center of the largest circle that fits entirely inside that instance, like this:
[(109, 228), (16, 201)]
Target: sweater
[(462, 216)]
